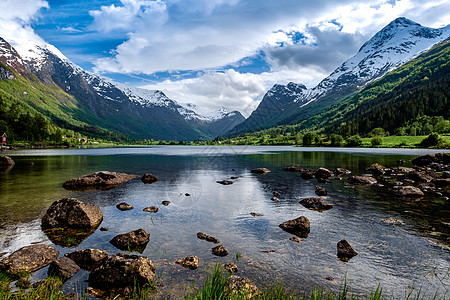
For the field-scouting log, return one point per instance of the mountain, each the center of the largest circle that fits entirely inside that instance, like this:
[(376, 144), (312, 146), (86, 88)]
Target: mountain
[(394, 45), (134, 112)]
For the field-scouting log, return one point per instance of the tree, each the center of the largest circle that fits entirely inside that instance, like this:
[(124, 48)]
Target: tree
[(376, 141), (336, 140), (309, 138), (354, 141), (433, 139), (377, 132)]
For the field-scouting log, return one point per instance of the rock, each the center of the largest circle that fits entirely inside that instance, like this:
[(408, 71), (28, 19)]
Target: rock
[(190, 262), (419, 176), (132, 241), (402, 170), (323, 173), (274, 198), (300, 226), (101, 180), (225, 182), (361, 180), (276, 194), (260, 171), (63, 268), (72, 213), (408, 191), (446, 174), (220, 250), (296, 239), (256, 214), (88, 258), (123, 270), (316, 204), (392, 221), (104, 229), (292, 169), (149, 178), (441, 182), (165, 202), (307, 175), (124, 206), (209, 238), (6, 161), (152, 209), (376, 169), (234, 177), (268, 251), (424, 160), (242, 286), (345, 251), (341, 171), (187, 194), (443, 158), (29, 259), (230, 267), (321, 191)]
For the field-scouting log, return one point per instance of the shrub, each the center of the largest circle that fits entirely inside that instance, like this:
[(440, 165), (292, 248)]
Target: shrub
[(354, 141), (376, 141), (432, 140), (336, 140)]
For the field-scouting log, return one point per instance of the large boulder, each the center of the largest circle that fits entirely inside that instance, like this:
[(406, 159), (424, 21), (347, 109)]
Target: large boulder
[(419, 176), (101, 180), (149, 178), (300, 226), (376, 169), (6, 161), (322, 173), (29, 259), (72, 213), (442, 182), (135, 240), (408, 191), (361, 180), (345, 251), (87, 258), (315, 203), (123, 270), (63, 267), (424, 160)]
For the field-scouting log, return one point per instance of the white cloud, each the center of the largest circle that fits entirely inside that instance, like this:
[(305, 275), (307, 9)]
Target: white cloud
[(231, 89)]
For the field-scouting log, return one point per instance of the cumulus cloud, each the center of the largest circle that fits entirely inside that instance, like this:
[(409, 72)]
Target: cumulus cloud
[(231, 89)]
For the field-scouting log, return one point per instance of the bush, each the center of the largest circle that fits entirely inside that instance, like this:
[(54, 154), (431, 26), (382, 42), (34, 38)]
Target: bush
[(336, 140), (377, 132), (432, 140), (310, 138), (354, 141), (376, 141)]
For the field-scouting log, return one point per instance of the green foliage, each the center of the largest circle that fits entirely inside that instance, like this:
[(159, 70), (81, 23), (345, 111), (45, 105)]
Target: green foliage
[(354, 141), (336, 140), (376, 141), (377, 132), (310, 138), (432, 140)]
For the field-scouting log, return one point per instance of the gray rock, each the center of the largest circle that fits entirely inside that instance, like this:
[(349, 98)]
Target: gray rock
[(87, 258), (72, 213), (300, 226), (361, 180), (123, 270), (102, 179), (376, 169), (322, 173), (408, 191), (419, 176), (135, 240), (63, 267), (29, 259)]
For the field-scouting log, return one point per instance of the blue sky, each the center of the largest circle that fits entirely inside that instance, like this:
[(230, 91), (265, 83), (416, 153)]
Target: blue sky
[(211, 52)]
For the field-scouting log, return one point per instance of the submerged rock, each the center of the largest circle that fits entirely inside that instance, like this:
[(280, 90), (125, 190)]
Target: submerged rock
[(322, 173), (361, 180), (260, 171), (300, 226), (29, 259), (165, 202), (376, 169), (123, 270), (295, 239), (256, 214), (6, 161), (345, 251), (320, 191), (149, 178), (230, 267), (220, 250), (392, 221), (204, 236), (292, 169), (316, 204), (63, 268), (225, 182), (88, 258), (341, 171), (102, 179), (123, 206), (72, 213), (309, 174), (132, 241), (152, 209), (190, 262), (408, 191)]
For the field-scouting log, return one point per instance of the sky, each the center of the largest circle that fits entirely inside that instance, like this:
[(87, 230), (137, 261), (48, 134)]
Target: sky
[(211, 53)]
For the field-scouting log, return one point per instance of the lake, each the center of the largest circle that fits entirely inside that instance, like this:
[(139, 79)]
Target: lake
[(412, 256)]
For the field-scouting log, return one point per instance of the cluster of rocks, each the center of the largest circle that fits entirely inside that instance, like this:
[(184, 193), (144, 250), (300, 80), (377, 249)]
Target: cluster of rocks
[(104, 180)]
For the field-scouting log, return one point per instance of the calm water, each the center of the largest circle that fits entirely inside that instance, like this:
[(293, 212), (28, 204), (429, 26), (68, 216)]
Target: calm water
[(400, 258)]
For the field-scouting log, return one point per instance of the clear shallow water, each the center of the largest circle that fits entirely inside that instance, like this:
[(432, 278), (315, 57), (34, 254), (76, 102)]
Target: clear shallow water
[(414, 255)]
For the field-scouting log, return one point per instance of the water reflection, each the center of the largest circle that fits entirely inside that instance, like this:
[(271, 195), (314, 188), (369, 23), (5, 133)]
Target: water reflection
[(411, 255)]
